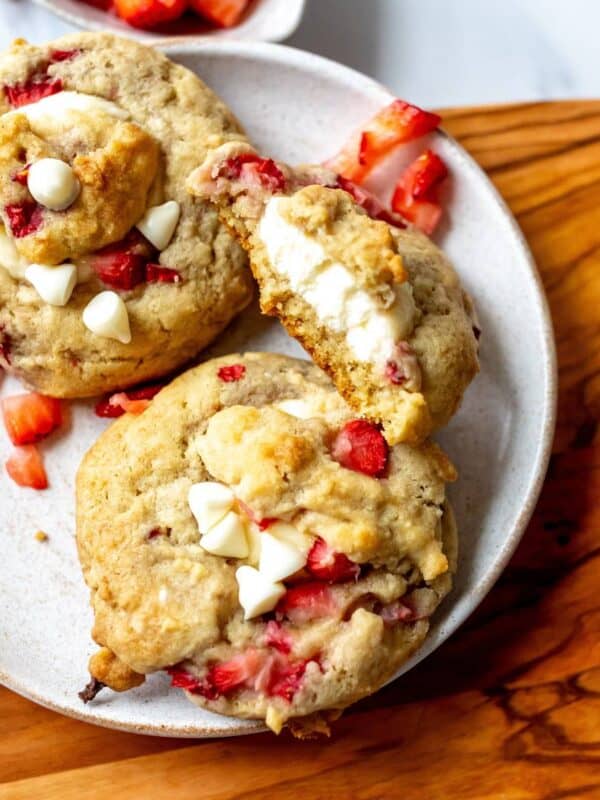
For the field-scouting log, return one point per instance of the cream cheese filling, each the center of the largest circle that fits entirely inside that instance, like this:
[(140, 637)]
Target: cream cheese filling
[(372, 331)]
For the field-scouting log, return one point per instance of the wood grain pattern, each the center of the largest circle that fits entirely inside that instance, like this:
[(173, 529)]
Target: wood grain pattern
[(510, 706)]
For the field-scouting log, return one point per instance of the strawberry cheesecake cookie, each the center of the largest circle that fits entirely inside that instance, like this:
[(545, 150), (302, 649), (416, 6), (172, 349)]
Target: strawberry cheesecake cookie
[(377, 306), (266, 548), (110, 273)]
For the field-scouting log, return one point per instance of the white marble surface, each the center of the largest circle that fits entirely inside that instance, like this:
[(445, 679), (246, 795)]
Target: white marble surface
[(436, 52)]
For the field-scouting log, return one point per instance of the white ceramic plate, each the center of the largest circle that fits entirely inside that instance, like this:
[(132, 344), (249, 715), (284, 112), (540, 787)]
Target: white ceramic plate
[(264, 21), (300, 107)]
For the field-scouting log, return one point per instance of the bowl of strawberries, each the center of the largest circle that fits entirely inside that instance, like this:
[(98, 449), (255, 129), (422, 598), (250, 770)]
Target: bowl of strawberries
[(184, 20)]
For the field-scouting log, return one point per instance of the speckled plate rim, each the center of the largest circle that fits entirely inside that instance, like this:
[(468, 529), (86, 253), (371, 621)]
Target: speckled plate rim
[(273, 53)]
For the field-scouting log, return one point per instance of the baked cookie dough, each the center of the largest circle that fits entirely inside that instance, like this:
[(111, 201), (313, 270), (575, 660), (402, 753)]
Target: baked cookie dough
[(110, 273), (249, 535), (379, 308)]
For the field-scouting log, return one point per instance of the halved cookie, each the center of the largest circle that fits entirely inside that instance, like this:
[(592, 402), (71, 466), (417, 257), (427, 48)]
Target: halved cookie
[(377, 307), (251, 536), (110, 273)]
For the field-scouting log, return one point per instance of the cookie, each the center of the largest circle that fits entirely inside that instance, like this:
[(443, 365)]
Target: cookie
[(379, 308), (251, 536), (110, 273)]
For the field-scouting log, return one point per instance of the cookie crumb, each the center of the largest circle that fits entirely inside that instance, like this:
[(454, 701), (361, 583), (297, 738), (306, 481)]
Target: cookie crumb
[(41, 536), (91, 690)]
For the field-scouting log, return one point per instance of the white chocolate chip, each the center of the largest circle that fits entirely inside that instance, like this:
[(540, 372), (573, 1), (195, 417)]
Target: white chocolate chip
[(159, 222), (279, 559), (209, 502), (53, 284), (10, 259), (295, 408), (60, 104), (257, 594), (106, 315), (52, 183), (227, 538), (292, 536)]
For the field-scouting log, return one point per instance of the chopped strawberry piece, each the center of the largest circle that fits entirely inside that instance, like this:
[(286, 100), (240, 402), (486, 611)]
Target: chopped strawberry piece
[(155, 532), (251, 168), (21, 176), (286, 683), (240, 669), (154, 273), (307, 601), (415, 194), (30, 417), (425, 174), (63, 55), (263, 524), (225, 13), (182, 679), (277, 638), (360, 446), (231, 372), (26, 468), (5, 345), (395, 124), (368, 202), (149, 13), (22, 94), (326, 564), (396, 612), (119, 266), (23, 218), (117, 404)]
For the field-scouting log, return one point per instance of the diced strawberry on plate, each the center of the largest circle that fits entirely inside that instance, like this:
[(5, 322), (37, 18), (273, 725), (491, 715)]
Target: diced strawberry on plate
[(396, 124), (416, 193), (26, 468), (225, 13), (30, 417), (328, 565), (360, 446), (149, 14)]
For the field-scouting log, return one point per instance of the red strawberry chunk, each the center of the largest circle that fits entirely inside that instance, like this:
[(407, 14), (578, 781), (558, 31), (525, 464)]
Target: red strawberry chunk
[(360, 446), (149, 14), (277, 638), (231, 372), (22, 94), (369, 202), (119, 269), (239, 670), (30, 417), (395, 124), (415, 194), (225, 13), (63, 55), (263, 524), (23, 218), (182, 679), (252, 169), (326, 564), (287, 682), (21, 176), (307, 601), (26, 468), (117, 404), (154, 273)]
